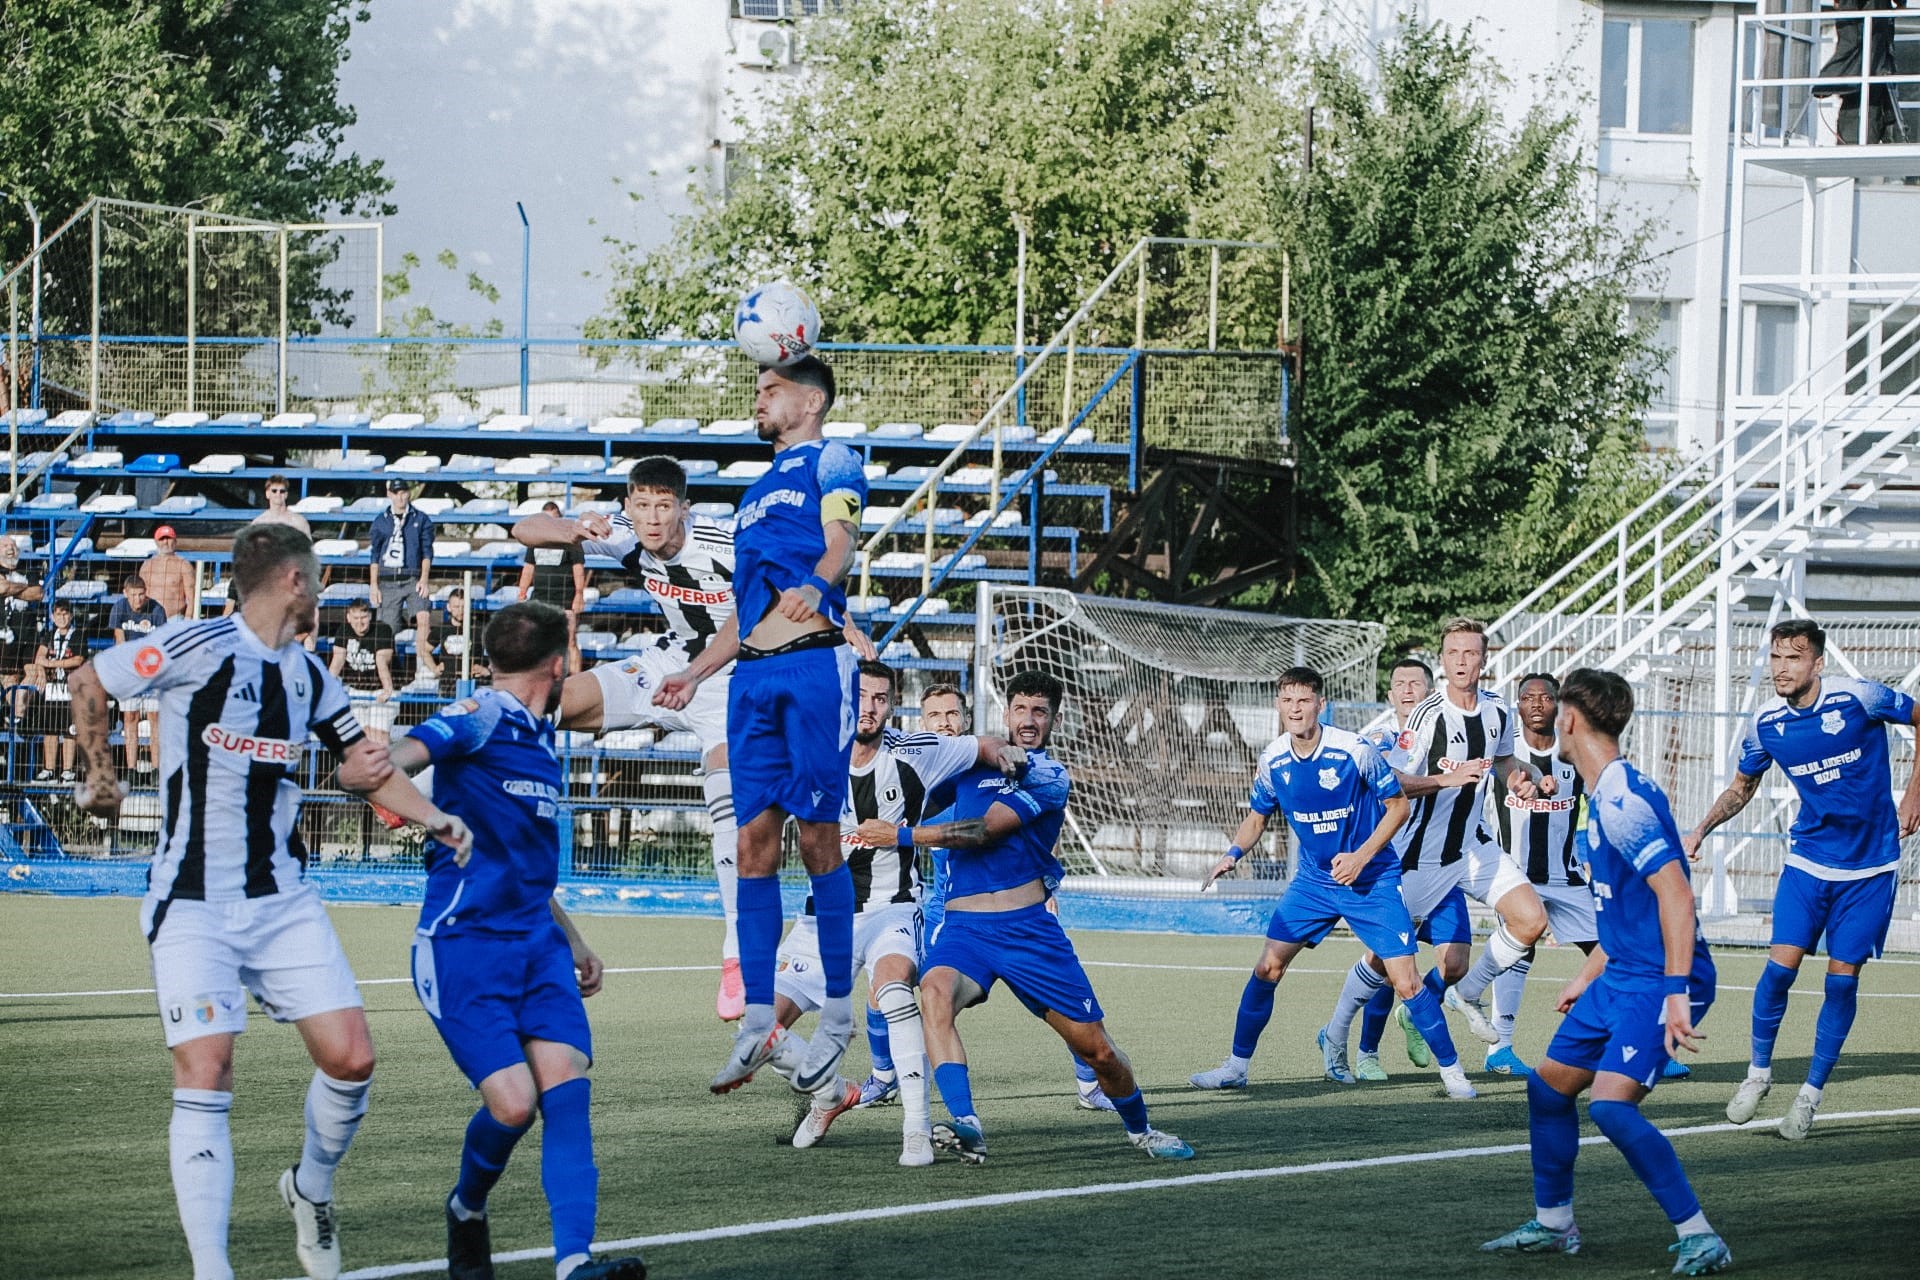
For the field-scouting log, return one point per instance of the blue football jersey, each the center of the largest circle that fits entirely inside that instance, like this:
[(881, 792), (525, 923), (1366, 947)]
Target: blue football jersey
[(779, 533), (1630, 835), (1334, 799), (496, 769), (1040, 798), (1835, 753)]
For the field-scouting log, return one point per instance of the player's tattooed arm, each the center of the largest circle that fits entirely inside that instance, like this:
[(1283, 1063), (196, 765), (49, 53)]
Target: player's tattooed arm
[(1730, 803), (99, 792), (995, 825)]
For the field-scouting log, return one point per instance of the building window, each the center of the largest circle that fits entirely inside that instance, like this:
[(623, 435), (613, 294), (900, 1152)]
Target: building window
[(1885, 357), (1662, 369), (1775, 358), (1646, 75)]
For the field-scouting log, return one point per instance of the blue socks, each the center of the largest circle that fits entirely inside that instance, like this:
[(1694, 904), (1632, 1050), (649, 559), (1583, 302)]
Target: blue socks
[(1431, 1020), (1133, 1111), (1836, 1019), (483, 1158), (879, 1043), (758, 927), (1649, 1154), (833, 911), (1769, 1006), (1434, 983), (1256, 1009), (1553, 1128), (1373, 1023), (1081, 1071), (567, 1171), (956, 1090)]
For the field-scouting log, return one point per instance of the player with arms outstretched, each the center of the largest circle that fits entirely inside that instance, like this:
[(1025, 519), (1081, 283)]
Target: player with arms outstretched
[(889, 779), (1637, 1000), (685, 563), (1000, 837), (790, 706), (1829, 736), (495, 958), (228, 909), (1344, 805)]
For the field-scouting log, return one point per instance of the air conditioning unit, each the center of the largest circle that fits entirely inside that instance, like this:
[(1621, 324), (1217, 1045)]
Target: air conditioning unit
[(765, 47)]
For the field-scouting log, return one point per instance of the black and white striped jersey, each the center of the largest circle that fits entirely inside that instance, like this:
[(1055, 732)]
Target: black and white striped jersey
[(1441, 737), (1538, 833), (235, 717), (894, 786), (693, 587)]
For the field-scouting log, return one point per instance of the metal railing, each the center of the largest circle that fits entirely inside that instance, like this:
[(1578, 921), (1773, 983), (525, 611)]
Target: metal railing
[(1775, 109), (1695, 512)]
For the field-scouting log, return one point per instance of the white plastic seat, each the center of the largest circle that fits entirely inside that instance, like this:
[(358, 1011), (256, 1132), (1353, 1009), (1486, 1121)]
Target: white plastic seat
[(416, 464), (109, 503), (447, 548), (534, 466), (675, 427), (218, 464), (899, 431), (434, 506), (951, 432), (712, 510), (292, 420), (181, 504), (844, 430), (507, 422), (316, 503), (99, 460), (618, 426), (182, 419), (728, 427), (398, 421), (325, 547), (746, 468)]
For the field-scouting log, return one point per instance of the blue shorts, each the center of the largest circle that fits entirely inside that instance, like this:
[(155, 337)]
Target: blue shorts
[(1378, 914), (1854, 914), (489, 993), (1448, 922), (1025, 948), (1623, 1028), (790, 723)]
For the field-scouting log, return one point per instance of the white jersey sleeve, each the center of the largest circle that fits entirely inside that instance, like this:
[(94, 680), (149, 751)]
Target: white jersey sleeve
[(617, 545), (933, 758), (175, 654)]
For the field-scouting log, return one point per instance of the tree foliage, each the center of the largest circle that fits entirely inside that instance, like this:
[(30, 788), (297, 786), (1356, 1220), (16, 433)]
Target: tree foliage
[(232, 107), (1470, 405), (890, 181)]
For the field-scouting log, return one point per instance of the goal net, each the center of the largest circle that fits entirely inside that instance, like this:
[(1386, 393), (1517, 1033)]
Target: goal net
[(1167, 710)]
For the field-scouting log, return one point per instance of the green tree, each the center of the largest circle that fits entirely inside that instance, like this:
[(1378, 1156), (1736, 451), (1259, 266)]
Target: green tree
[(1470, 405), (403, 377), (229, 107), (890, 180)]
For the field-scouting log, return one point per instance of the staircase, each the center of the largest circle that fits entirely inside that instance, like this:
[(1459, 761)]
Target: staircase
[(1795, 480)]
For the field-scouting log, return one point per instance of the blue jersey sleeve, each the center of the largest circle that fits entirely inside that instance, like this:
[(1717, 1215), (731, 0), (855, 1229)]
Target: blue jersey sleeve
[(458, 730), (1375, 770), (1264, 799), (843, 484), (1640, 825), (1881, 703), (1754, 758), (1041, 792)]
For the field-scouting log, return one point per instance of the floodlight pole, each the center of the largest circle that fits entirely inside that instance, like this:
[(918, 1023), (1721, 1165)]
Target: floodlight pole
[(526, 255)]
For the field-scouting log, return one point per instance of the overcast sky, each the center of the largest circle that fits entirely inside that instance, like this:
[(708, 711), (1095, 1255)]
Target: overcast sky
[(474, 104)]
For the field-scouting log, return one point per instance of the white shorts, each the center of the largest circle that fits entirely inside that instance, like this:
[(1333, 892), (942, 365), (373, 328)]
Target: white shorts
[(208, 955), (372, 714), (626, 697), (890, 930), (1491, 873), (1569, 912), (1425, 887)]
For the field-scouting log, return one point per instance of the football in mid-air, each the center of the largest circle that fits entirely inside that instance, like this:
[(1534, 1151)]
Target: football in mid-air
[(776, 324)]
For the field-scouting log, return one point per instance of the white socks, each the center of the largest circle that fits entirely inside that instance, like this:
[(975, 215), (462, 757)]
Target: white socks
[(334, 1111), (1359, 988), (1502, 952), (718, 786), (909, 1046), (1508, 989), (200, 1151), (1694, 1226), (1555, 1217)]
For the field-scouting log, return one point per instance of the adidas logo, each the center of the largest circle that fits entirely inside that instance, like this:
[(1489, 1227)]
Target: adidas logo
[(205, 1154)]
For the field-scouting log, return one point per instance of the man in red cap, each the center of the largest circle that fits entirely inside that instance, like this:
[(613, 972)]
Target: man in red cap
[(169, 578)]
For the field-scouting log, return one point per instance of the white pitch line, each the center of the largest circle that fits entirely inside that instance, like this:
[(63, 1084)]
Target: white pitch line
[(365, 982), (883, 1213)]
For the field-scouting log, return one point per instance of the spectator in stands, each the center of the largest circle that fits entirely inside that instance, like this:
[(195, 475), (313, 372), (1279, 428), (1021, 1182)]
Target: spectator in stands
[(558, 576), (135, 615), (278, 512), (363, 659), (402, 556), (19, 637), (445, 645), (61, 652), (169, 578)]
